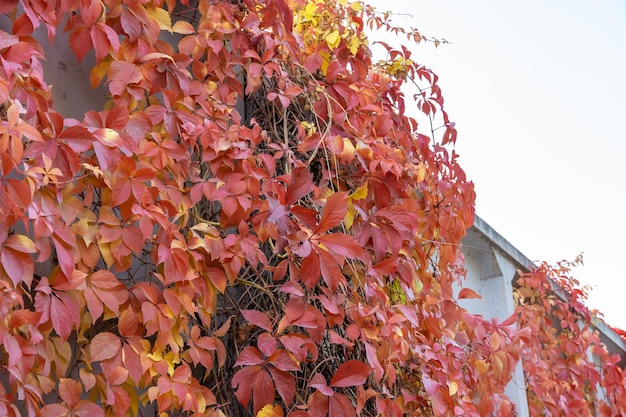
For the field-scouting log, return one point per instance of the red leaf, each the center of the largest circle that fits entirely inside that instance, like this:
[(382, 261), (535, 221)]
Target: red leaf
[(300, 345), (102, 41), (401, 218), (408, 311), (19, 192), (13, 349), (130, 24), (285, 385), (330, 270), (257, 318), (256, 382), (249, 356), (217, 277), (117, 118), (310, 270), (340, 405), (318, 404), (334, 212), (104, 346), (267, 344), (121, 191), (430, 385), (313, 62), (351, 373), (342, 244), (468, 293), (242, 383), (301, 184), (263, 391), (284, 360)]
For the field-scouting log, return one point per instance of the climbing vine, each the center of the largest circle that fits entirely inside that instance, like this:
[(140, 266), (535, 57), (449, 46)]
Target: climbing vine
[(249, 225), (568, 369)]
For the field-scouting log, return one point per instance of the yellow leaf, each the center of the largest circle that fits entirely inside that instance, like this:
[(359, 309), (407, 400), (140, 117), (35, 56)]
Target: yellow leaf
[(270, 410), (357, 7), (107, 254), (325, 61), (353, 45), (421, 172), (453, 387), (396, 293), (481, 367), (332, 39), (417, 285), (134, 401), (98, 72), (162, 18), (350, 215), (310, 11), (360, 193)]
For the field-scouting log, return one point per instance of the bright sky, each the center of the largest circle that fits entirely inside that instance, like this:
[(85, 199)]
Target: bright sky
[(538, 92)]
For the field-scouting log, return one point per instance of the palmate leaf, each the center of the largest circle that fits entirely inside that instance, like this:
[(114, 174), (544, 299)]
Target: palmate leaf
[(256, 383)]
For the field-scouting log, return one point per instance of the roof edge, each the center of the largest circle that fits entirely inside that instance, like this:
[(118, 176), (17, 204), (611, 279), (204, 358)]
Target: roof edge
[(504, 245), (525, 264)]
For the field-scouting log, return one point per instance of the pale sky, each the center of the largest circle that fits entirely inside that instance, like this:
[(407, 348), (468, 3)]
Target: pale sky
[(538, 92)]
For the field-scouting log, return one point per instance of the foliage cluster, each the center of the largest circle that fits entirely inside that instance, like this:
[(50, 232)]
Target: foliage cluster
[(568, 369), (251, 225)]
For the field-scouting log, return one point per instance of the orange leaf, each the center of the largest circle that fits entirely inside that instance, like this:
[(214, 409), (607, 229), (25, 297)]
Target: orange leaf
[(70, 391), (468, 293)]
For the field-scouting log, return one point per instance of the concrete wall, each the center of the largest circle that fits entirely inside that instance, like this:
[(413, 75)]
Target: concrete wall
[(491, 272)]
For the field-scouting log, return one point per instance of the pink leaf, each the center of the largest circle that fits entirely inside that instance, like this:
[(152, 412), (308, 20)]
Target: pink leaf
[(104, 346), (319, 382), (64, 314)]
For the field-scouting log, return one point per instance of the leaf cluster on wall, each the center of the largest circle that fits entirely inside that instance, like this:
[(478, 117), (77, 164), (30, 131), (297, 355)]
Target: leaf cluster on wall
[(250, 225)]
